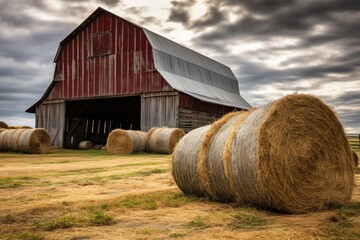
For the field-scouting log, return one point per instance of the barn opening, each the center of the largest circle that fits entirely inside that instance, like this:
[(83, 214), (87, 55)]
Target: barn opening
[(93, 119)]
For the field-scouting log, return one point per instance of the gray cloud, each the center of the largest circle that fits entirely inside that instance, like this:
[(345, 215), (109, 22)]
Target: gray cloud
[(110, 3), (180, 11), (213, 16)]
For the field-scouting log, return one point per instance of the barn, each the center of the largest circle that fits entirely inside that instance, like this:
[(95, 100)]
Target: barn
[(111, 73)]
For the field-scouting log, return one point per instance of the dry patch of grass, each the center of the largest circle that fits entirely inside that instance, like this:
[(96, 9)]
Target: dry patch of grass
[(93, 195)]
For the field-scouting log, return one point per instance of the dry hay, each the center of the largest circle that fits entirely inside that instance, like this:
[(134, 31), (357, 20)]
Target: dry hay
[(126, 141), (3, 125), (35, 141), (293, 155), (163, 140), (184, 162), (290, 155), (85, 145), (19, 127), (199, 165), (356, 158)]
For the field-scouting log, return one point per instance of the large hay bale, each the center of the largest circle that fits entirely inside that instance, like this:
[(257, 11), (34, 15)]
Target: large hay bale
[(35, 141), (126, 141), (86, 145), (3, 125), (201, 160), (163, 140), (292, 155)]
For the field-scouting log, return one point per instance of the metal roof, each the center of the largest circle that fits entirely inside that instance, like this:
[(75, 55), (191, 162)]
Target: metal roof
[(194, 74)]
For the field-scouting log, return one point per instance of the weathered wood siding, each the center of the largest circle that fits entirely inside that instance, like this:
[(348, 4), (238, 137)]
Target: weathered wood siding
[(159, 110), (51, 116), (108, 57), (194, 113)]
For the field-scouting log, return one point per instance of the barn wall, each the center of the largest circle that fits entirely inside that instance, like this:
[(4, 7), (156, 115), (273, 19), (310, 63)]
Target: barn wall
[(108, 57), (194, 113), (159, 110), (51, 116)]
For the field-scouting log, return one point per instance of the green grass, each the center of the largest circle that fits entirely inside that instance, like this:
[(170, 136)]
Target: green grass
[(29, 236), (341, 225), (53, 224), (242, 220), (100, 218), (15, 182), (198, 223)]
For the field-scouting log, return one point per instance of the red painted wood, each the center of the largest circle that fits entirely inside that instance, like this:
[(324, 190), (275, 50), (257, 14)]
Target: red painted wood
[(126, 69)]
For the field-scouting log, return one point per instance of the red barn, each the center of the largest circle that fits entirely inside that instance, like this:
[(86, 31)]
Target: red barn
[(111, 73)]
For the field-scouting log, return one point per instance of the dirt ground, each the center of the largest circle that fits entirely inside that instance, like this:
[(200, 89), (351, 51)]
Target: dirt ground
[(94, 195)]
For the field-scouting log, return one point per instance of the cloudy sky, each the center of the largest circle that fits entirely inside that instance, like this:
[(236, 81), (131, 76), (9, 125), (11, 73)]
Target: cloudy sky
[(274, 47)]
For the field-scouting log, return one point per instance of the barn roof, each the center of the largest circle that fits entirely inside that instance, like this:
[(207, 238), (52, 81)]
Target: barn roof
[(195, 74), (184, 69)]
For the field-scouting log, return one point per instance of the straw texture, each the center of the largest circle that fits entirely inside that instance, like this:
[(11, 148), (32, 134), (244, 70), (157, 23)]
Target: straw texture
[(292, 155), (86, 145), (184, 162), (163, 140), (35, 141), (211, 165), (125, 141)]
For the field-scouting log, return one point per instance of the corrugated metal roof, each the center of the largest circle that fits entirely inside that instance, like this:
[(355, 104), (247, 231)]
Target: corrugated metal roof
[(194, 74)]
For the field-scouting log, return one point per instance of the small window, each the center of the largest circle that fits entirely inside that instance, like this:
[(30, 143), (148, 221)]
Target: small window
[(99, 44)]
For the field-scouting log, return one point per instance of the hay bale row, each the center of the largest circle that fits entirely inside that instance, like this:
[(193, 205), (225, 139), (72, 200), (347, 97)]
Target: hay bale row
[(291, 155), (157, 140), (126, 141), (163, 140), (35, 141)]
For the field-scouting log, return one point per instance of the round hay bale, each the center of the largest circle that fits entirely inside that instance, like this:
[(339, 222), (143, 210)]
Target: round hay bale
[(126, 141), (292, 155), (85, 145), (163, 140), (3, 125), (356, 158), (35, 141)]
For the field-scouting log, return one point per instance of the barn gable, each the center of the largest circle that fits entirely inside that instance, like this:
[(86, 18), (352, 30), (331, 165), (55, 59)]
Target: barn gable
[(111, 73)]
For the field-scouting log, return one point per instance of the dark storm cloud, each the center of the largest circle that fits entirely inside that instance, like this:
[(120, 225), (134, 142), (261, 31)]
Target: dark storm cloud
[(179, 11), (110, 3), (212, 17)]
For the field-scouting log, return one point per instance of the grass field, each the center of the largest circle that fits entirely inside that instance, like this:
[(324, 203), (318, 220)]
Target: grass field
[(93, 195)]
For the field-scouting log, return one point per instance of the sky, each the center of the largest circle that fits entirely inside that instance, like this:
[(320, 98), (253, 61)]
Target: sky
[(274, 47)]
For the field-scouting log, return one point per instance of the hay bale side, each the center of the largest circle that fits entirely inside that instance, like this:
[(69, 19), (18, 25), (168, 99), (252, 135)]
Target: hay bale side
[(35, 141), (184, 162), (163, 140), (125, 141), (292, 155), (86, 145), (211, 165), (3, 125)]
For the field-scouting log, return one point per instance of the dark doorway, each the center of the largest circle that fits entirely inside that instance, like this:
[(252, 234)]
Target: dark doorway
[(95, 118)]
